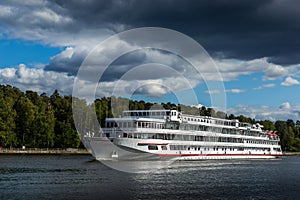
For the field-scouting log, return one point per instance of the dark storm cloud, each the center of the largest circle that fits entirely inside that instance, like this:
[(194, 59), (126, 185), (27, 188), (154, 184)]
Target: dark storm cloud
[(149, 58), (228, 29), (233, 29)]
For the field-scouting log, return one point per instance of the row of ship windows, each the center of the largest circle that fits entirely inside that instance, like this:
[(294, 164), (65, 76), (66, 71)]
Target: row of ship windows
[(195, 138), (145, 113), (197, 120), (187, 127), (221, 130), (132, 124), (199, 148), (219, 122), (218, 148)]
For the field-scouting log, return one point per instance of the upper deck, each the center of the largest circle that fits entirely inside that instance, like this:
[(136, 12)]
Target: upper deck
[(174, 122), (173, 116), (156, 114)]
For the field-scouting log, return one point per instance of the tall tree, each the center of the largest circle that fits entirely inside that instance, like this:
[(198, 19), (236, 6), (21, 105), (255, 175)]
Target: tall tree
[(26, 112), (285, 135), (268, 125), (8, 137), (203, 111)]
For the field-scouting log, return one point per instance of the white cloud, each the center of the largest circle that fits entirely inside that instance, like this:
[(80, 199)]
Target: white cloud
[(212, 91), (275, 71), (49, 16), (151, 87), (282, 112), (289, 81), (294, 70), (5, 11), (235, 91), (285, 106), (270, 85), (8, 73), (230, 69), (37, 79), (152, 90), (197, 105)]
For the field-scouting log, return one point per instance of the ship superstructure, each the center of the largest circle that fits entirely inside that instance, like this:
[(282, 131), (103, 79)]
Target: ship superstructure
[(170, 134)]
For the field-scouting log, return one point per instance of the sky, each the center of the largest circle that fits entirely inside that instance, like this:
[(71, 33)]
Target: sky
[(254, 45)]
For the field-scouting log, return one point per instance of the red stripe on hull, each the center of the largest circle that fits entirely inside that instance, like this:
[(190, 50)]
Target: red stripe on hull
[(220, 154)]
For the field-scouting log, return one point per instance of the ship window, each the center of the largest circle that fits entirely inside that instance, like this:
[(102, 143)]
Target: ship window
[(152, 147), (163, 148)]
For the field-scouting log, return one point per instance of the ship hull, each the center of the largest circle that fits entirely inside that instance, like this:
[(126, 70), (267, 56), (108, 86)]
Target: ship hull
[(103, 149)]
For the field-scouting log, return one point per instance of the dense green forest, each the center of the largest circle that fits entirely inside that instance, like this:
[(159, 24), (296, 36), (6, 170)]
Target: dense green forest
[(41, 121)]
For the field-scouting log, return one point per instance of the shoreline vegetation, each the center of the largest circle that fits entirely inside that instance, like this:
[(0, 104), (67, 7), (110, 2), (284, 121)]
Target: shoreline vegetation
[(32, 120), (49, 151)]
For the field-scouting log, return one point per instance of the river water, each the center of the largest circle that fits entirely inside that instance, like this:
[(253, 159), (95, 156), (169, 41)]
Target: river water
[(80, 177)]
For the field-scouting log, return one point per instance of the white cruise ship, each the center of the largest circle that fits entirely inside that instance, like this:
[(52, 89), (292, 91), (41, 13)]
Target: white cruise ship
[(169, 134)]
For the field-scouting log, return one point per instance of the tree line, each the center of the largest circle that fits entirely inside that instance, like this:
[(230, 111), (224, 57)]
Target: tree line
[(41, 121), (37, 121)]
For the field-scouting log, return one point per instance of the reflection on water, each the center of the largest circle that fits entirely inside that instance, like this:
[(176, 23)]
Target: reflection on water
[(80, 177)]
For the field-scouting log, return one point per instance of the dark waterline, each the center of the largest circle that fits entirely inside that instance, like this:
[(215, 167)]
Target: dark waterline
[(79, 177)]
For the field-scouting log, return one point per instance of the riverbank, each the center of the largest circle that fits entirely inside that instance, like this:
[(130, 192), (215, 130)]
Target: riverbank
[(291, 153), (43, 151)]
